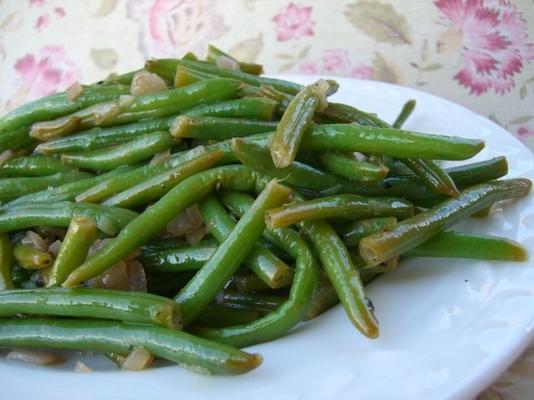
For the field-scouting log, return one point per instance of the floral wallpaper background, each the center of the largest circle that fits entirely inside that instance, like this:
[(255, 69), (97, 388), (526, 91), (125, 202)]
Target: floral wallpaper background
[(479, 53)]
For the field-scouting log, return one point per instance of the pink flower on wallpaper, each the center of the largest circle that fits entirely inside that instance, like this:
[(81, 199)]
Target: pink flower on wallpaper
[(38, 3), (361, 71), (41, 22), (494, 45), (45, 73), (60, 11), (309, 68), (336, 62), (525, 131), (172, 27), (293, 22)]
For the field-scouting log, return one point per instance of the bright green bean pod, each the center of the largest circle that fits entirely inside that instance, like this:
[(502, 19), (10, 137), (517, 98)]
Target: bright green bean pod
[(338, 206), (66, 191), (109, 220), (432, 176), (296, 121), (389, 141), (356, 230), (11, 188), (413, 231), (6, 258), (132, 307), (249, 108), (156, 217), (73, 250), (16, 139), (262, 303), (273, 271), (33, 166), (31, 258), (218, 316), (466, 245), (188, 351), (218, 128), (297, 174), (155, 187), (124, 154), (347, 166), (212, 277), (407, 110), (214, 54), (177, 260), (58, 105)]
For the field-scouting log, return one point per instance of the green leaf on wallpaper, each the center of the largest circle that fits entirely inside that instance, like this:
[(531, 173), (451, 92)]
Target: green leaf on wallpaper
[(248, 50), (523, 91), (493, 117), (380, 21), (432, 67), (304, 52), (104, 58), (385, 70), (523, 119), (105, 7), (286, 67)]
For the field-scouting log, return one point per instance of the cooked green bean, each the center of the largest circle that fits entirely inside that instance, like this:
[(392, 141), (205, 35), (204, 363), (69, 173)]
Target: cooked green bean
[(6, 258), (249, 283), (132, 307), (324, 298), (124, 154), (356, 230), (16, 139), (218, 128), (407, 110), (273, 271), (338, 206), (465, 245), (214, 54), (212, 277), (158, 185), (191, 352), (109, 220), (73, 250), (178, 259), (33, 166), (262, 303), (433, 176), (219, 316), (11, 188), (413, 231), (250, 108), (186, 76), (31, 258), (347, 166), (296, 121)]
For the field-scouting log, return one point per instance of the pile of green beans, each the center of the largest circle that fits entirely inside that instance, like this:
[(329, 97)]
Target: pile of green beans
[(219, 209)]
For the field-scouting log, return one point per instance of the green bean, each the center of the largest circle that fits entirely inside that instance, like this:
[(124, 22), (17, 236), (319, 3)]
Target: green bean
[(214, 54), (124, 79), (413, 231), (166, 68), (47, 130), (16, 139), (57, 105), (261, 303), (127, 153), (356, 230), (186, 76), (191, 352), (31, 258), (465, 245), (343, 275), (33, 166), (324, 298), (67, 191), (249, 283), (158, 185), (132, 307), (297, 174), (156, 217), (177, 260), (407, 110), (389, 141), (218, 316), (218, 128), (73, 250), (296, 121), (273, 271), (108, 219), (11, 188), (249, 108), (432, 176), (347, 166), (212, 277), (338, 206), (6, 258)]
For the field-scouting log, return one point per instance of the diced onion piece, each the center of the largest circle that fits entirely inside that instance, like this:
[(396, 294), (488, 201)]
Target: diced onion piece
[(144, 82), (188, 224), (115, 278), (137, 360), (34, 240), (54, 248), (136, 276), (226, 62), (6, 156), (160, 157), (34, 357), (74, 91), (97, 245), (81, 367)]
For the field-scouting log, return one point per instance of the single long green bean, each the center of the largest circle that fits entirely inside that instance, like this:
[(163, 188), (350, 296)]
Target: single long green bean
[(32, 166), (73, 250), (125, 154), (212, 277), (219, 316), (338, 206), (433, 176), (465, 245), (249, 108), (249, 283), (262, 303), (178, 259), (344, 165), (413, 231), (218, 128), (156, 217), (273, 271), (31, 258), (109, 220), (406, 111), (215, 54), (132, 307), (188, 351), (356, 230), (6, 259)]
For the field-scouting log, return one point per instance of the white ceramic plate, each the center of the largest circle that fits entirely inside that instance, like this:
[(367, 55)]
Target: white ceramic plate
[(448, 328)]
